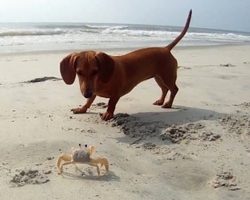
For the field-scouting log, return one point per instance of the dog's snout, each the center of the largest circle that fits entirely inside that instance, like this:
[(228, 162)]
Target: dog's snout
[(88, 94)]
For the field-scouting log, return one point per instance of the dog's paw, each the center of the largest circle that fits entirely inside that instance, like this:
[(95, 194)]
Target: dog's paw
[(158, 102), (167, 105), (106, 116), (79, 110)]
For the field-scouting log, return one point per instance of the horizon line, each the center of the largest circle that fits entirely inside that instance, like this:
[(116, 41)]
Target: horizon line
[(118, 23)]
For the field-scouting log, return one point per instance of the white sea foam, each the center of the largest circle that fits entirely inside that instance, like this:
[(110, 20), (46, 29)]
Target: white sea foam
[(37, 37)]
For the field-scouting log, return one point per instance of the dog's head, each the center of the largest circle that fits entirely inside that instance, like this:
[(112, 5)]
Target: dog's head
[(91, 68)]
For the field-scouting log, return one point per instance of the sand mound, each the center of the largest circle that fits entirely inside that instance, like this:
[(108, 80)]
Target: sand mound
[(244, 105), (187, 132), (225, 179), (135, 128), (31, 176), (239, 124)]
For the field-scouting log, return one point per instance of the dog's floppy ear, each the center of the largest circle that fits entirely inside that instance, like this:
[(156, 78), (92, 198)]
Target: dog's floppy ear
[(67, 68), (105, 66)]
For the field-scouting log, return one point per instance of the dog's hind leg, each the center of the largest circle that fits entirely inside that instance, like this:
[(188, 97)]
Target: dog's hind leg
[(173, 91), (164, 90), (169, 77)]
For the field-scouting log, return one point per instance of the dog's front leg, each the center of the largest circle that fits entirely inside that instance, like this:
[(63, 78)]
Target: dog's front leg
[(109, 114), (85, 107)]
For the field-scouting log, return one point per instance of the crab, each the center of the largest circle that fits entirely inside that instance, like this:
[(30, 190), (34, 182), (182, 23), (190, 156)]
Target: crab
[(82, 156)]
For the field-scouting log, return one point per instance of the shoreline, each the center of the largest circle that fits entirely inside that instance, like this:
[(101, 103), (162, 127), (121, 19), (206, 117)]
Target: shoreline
[(120, 50)]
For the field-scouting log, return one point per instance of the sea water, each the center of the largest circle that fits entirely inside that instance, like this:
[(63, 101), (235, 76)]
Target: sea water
[(36, 37)]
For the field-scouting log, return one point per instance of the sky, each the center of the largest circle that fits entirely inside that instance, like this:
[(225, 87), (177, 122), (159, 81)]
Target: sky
[(217, 14)]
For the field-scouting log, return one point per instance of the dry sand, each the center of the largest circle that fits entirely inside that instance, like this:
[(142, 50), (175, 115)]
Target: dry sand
[(200, 149)]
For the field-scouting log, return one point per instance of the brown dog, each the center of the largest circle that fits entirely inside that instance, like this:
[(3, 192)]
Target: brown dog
[(114, 76)]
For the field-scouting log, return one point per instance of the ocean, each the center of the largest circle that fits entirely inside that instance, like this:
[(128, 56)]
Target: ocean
[(37, 37)]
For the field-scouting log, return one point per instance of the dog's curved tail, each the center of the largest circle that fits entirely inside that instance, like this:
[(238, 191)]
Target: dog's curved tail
[(172, 44)]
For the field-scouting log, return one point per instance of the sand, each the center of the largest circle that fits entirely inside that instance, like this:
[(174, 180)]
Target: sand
[(199, 149)]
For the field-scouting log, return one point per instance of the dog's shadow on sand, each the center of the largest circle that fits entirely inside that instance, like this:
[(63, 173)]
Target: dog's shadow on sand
[(109, 176), (178, 115), (151, 124)]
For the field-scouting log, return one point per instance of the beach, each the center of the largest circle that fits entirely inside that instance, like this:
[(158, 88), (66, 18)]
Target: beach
[(199, 149)]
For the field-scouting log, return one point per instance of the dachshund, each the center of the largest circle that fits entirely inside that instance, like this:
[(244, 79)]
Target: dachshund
[(112, 77)]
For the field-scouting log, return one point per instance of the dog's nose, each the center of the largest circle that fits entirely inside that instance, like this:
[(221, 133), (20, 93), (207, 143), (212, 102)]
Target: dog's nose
[(88, 94)]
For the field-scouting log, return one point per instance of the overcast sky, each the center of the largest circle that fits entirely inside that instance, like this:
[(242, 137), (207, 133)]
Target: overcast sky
[(219, 14)]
